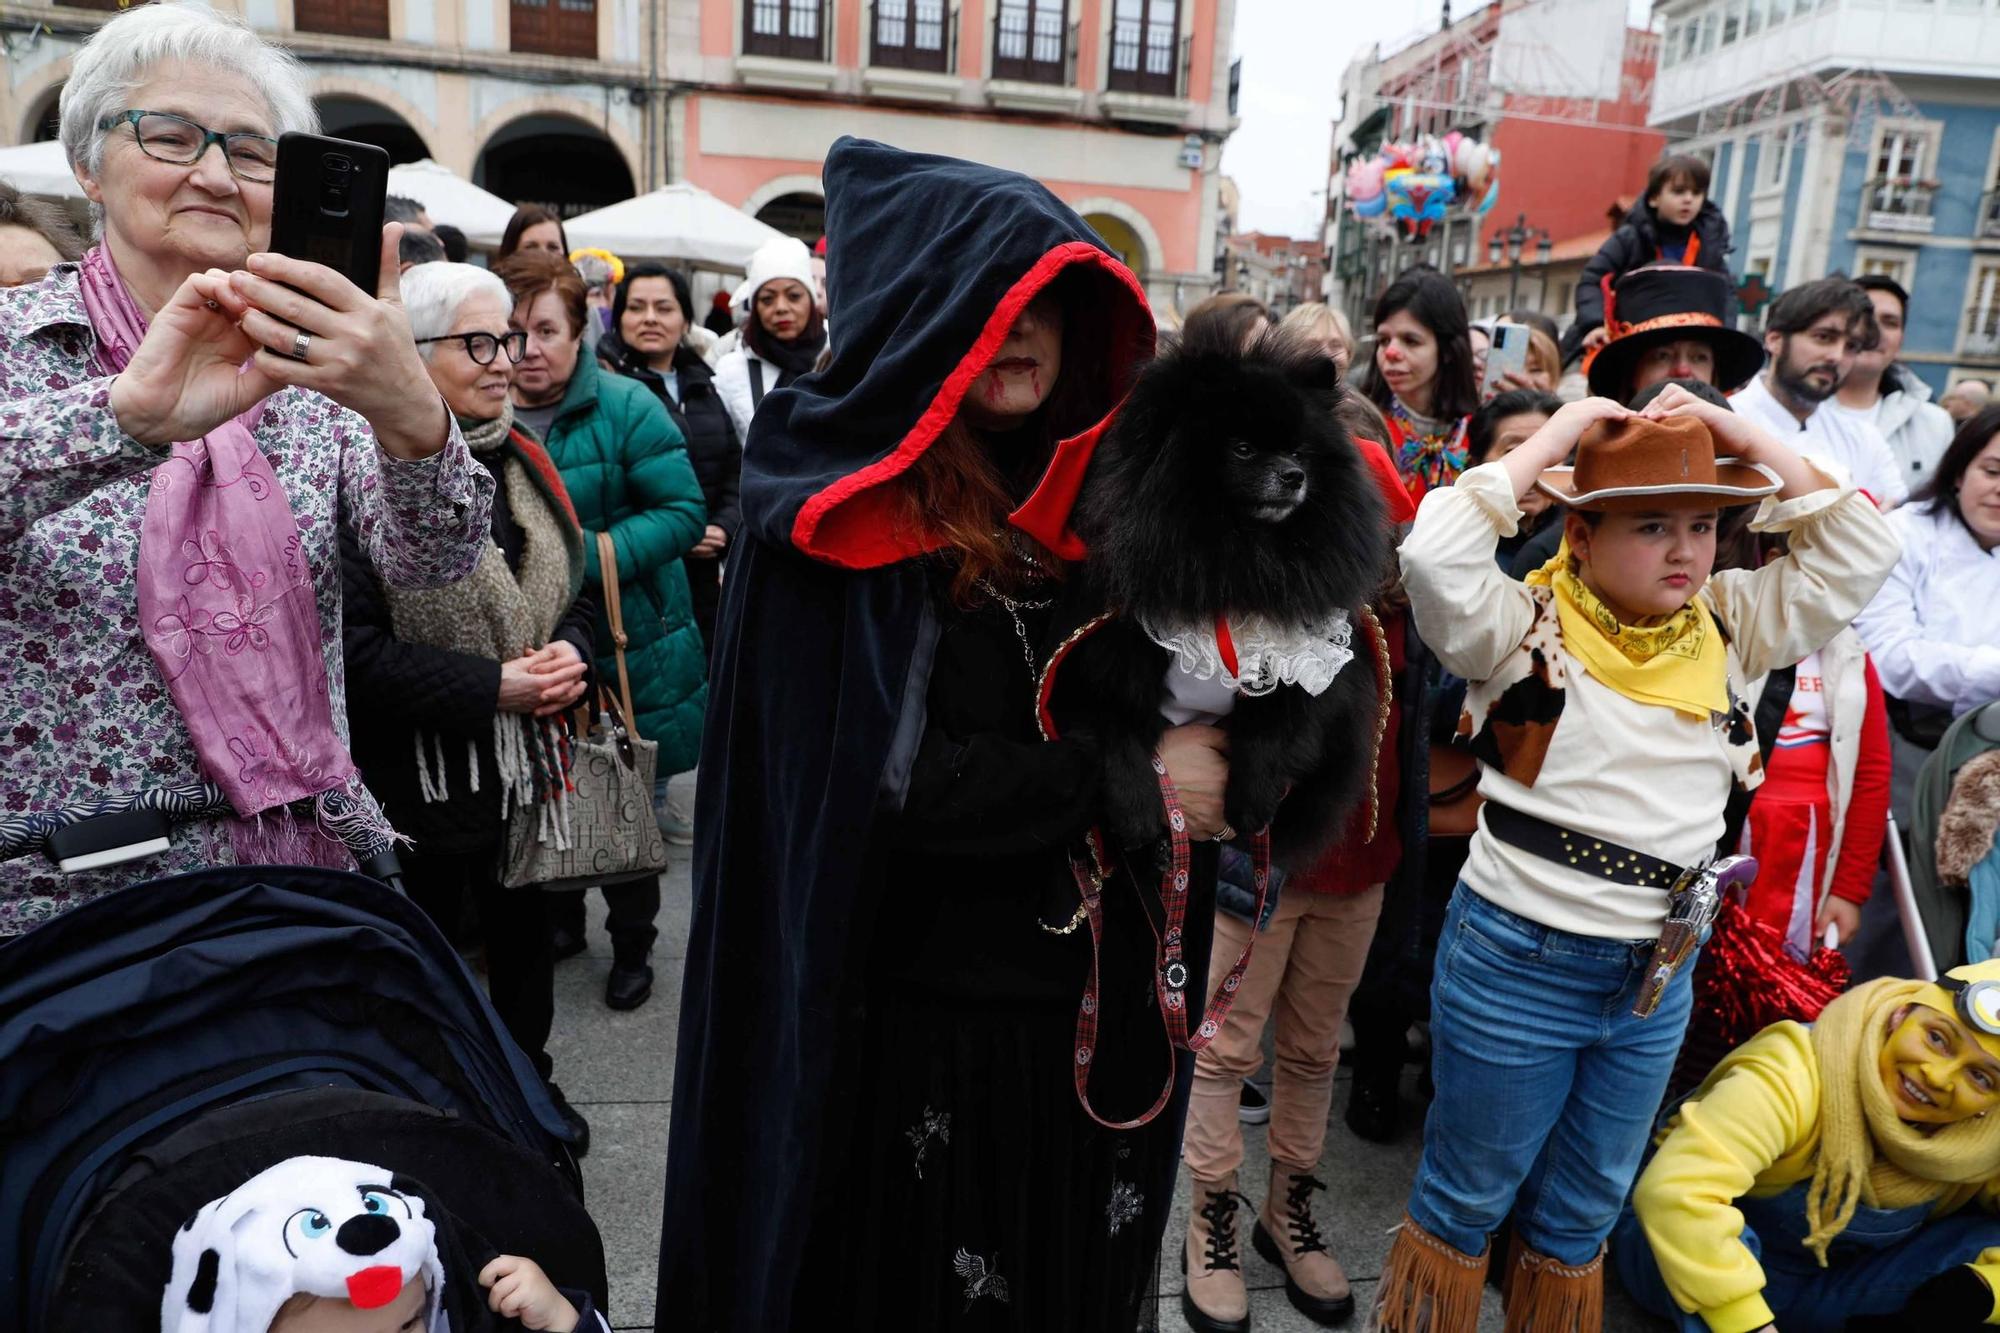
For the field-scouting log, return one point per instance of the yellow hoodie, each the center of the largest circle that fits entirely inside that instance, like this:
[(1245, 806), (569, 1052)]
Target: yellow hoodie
[(1754, 1132)]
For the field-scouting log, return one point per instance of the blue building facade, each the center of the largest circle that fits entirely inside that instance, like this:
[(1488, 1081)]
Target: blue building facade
[(1854, 136)]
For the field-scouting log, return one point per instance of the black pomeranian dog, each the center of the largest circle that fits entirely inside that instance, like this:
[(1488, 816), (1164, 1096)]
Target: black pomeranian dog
[(1226, 491)]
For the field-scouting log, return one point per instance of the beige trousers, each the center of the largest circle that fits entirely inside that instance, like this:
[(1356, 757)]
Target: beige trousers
[(1307, 964)]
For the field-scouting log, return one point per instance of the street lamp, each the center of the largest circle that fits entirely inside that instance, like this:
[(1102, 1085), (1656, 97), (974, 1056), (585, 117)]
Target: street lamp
[(1510, 243)]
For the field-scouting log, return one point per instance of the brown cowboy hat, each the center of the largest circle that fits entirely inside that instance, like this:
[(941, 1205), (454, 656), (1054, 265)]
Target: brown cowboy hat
[(1639, 463)]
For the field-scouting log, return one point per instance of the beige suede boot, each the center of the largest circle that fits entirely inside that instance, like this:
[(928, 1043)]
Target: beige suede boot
[(1287, 1236), (1215, 1300)]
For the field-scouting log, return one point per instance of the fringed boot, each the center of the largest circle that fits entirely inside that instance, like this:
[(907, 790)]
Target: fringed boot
[(1544, 1295), (1287, 1236), (1214, 1300), (1427, 1286)]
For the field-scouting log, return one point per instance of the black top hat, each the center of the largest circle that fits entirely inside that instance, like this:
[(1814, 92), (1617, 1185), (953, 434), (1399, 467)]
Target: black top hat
[(1665, 303)]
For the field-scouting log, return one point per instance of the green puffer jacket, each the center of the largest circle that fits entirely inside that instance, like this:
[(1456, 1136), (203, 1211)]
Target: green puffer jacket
[(628, 474)]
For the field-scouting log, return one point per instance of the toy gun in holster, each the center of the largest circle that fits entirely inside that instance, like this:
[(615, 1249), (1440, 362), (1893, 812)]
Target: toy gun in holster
[(1692, 906)]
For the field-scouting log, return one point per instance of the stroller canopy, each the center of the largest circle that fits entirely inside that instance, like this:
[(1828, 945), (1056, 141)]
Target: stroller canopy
[(155, 1041)]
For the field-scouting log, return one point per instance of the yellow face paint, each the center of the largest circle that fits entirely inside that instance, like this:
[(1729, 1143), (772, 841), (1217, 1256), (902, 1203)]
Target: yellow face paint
[(1935, 1069)]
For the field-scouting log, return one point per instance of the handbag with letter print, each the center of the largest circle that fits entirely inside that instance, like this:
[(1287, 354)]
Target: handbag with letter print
[(611, 834)]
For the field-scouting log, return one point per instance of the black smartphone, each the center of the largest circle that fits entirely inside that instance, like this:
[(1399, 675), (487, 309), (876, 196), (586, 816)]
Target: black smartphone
[(327, 205)]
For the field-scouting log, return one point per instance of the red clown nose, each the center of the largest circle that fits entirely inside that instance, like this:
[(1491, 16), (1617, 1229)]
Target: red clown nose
[(373, 1288)]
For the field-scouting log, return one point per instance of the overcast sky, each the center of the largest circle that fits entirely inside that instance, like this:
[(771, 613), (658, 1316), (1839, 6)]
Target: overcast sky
[(1293, 53)]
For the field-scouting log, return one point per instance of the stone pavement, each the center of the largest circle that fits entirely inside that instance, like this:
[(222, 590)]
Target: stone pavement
[(618, 1070)]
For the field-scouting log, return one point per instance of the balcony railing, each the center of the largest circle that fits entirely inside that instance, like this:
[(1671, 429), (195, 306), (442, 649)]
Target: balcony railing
[(1032, 53), (789, 29), (1896, 204), (1988, 227), (1140, 64), (909, 54), (1983, 341)]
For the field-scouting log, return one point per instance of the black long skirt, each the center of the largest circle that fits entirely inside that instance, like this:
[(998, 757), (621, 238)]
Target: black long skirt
[(965, 1188)]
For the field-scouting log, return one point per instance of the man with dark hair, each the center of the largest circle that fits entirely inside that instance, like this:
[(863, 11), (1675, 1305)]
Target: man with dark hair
[(419, 247), (410, 212), (1887, 396), (453, 240), (1813, 335)]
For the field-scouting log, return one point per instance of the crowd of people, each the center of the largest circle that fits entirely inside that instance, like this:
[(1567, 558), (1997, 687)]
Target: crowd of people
[(298, 573)]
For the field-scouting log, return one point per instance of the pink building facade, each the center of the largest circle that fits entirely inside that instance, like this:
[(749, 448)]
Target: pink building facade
[(1120, 106)]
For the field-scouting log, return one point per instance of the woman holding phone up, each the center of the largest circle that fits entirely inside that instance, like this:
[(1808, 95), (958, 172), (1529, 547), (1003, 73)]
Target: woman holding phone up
[(177, 459)]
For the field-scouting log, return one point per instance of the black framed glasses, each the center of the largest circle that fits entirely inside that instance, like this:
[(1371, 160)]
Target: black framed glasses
[(483, 347), (165, 137)]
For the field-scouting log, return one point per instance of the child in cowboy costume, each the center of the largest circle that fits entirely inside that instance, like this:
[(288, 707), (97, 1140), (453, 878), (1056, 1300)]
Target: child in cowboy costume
[(1605, 709), (1825, 1177)]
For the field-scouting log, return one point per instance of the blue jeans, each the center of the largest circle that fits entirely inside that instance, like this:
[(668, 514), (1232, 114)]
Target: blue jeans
[(1873, 1266), (1547, 1086)]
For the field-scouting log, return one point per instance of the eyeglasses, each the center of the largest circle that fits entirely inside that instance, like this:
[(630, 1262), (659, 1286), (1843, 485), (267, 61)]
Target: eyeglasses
[(483, 347), (170, 138)]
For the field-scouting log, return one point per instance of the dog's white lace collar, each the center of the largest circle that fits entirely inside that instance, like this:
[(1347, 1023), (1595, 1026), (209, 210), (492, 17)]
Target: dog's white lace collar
[(1252, 655)]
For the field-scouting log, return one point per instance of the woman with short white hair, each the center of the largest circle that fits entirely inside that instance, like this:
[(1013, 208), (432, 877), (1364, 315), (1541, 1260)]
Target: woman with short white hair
[(456, 691), (188, 423)]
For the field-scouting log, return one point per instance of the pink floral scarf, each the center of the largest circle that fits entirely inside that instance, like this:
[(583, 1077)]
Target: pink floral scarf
[(228, 611)]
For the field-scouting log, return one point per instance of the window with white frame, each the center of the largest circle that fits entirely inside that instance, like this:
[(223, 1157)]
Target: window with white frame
[(1896, 265), (1690, 37), (1982, 309), (1709, 23), (1732, 21), (1899, 180), (1753, 18)]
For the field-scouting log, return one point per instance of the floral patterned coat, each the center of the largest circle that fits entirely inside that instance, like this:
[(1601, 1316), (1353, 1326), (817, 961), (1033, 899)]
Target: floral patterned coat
[(84, 713)]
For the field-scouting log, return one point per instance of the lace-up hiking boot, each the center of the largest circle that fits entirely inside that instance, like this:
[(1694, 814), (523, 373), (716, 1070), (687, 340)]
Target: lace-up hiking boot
[(1287, 1236), (1214, 1300)]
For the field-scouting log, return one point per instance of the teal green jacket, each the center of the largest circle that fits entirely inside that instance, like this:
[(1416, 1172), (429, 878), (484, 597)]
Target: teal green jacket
[(627, 471)]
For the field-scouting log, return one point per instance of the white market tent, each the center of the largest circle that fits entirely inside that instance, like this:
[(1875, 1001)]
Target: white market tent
[(451, 199), (679, 221), (41, 169)]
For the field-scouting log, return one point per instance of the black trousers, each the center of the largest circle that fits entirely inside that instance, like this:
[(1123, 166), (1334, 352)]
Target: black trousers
[(520, 965), (629, 912)]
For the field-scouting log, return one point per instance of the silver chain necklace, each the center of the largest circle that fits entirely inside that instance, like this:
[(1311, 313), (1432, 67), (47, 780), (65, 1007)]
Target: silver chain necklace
[(1013, 608)]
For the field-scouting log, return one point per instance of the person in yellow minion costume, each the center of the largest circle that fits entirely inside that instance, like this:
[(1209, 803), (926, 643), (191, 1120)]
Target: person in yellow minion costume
[(1825, 1177)]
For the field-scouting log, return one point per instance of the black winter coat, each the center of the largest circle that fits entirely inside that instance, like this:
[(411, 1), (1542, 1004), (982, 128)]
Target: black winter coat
[(397, 691), (712, 445), (1636, 243)]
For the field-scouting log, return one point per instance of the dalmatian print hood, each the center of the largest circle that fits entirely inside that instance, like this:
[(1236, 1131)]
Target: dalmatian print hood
[(314, 1225)]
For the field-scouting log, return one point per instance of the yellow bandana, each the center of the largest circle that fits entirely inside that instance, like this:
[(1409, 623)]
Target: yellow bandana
[(1679, 662)]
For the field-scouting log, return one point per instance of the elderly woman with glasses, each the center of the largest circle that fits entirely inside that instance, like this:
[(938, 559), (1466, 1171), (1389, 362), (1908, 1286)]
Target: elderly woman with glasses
[(455, 691), (189, 422)]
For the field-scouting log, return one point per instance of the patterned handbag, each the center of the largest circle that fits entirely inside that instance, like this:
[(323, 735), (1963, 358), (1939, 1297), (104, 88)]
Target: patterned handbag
[(608, 832)]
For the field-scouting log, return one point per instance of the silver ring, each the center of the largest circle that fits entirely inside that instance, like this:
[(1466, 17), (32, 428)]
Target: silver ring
[(1227, 834), (301, 343)]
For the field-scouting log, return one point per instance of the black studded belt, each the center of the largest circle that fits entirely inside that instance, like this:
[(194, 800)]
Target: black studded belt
[(1593, 856)]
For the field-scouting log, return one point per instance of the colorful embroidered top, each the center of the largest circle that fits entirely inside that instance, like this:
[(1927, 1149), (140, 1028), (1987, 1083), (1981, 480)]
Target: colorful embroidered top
[(84, 715)]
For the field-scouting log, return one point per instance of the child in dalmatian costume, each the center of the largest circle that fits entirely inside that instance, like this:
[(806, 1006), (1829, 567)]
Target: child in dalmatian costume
[(320, 1245)]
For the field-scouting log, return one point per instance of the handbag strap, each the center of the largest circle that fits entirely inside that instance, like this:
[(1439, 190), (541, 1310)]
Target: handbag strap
[(607, 564)]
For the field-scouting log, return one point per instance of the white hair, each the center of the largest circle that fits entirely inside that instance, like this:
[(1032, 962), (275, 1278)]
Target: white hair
[(432, 294), (124, 52)]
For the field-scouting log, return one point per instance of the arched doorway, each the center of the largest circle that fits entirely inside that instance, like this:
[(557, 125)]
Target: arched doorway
[(563, 164), (364, 121), (801, 215), (1124, 242), (45, 122)]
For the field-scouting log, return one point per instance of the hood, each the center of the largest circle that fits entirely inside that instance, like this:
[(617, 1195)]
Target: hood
[(931, 260)]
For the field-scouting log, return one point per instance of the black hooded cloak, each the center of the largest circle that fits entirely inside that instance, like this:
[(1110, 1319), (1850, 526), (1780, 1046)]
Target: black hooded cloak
[(815, 871)]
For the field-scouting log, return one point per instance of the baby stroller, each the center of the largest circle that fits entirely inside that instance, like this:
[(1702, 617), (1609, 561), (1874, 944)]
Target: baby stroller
[(161, 1045)]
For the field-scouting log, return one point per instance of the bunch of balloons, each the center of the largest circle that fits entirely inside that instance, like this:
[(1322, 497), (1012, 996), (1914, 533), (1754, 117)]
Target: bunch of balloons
[(1409, 186)]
